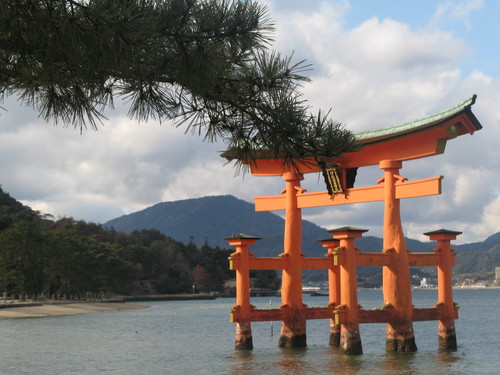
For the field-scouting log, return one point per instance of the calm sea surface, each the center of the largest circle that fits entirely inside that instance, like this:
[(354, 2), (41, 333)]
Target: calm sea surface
[(196, 337)]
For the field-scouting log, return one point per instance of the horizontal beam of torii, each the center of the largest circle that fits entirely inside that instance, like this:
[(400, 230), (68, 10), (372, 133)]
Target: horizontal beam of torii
[(404, 189)]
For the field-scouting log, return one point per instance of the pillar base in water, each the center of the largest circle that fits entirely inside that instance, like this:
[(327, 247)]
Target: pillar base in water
[(350, 340), (448, 343), (400, 338), (298, 341), (401, 345), (334, 335), (243, 336), (447, 336), (244, 343), (293, 335)]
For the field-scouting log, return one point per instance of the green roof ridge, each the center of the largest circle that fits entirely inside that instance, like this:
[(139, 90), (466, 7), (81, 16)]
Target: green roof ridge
[(417, 123)]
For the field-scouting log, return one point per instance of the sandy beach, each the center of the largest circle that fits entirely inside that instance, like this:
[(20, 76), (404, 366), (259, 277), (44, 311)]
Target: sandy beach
[(65, 309)]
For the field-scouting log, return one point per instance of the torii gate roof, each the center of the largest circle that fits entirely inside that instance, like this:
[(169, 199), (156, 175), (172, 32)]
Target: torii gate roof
[(411, 140)]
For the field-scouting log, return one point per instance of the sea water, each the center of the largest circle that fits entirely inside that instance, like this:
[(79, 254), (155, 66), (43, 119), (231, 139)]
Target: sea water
[(196, 337)]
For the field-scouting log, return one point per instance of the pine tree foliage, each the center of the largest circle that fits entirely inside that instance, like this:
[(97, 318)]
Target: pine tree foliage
[(203, 63)]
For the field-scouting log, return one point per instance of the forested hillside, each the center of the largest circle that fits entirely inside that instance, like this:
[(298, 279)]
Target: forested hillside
[(72, 257), (470, 262), (212, 218)]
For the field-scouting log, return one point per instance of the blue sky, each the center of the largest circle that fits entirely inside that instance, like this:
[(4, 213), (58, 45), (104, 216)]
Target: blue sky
[(375, 64), (474, 21)]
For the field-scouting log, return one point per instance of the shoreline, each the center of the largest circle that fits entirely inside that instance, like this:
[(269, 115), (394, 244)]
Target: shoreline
[(168, 297), (37, 310), (34, 309)]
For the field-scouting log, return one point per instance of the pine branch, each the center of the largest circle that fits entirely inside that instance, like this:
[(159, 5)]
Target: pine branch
[(200, 62)]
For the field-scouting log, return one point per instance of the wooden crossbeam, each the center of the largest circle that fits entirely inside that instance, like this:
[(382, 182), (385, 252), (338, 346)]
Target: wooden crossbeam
[(423, 259), (426, 259), (407, 189), (354, 195), (316, 263), (266, 315), (365, 316), (268, 263), (371, 259)]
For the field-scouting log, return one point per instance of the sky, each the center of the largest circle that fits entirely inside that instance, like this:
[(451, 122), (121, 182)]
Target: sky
[(374, 64)]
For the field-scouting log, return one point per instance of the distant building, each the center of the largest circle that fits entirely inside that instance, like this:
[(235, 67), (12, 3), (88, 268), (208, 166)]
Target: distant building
[(427, 282), (497, 273)]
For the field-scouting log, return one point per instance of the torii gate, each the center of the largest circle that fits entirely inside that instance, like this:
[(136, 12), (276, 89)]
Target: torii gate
[(388, 148)]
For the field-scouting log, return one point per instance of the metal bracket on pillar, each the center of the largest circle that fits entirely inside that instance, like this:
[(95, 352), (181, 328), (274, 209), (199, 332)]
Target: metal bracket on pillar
[(234, 260), (235, 314), (338, 256), (339, 314)]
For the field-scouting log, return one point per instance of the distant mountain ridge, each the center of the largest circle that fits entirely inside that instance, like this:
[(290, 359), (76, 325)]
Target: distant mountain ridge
[(212, 218)]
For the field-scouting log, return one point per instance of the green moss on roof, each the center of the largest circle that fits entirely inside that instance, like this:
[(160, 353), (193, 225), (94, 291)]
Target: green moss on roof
[(415, 124)]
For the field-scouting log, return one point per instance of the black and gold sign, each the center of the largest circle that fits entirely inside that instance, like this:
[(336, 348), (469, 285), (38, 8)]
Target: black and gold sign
[(332, 179)]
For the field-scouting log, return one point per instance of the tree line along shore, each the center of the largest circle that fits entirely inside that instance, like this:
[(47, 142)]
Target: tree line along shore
[(68, 259)]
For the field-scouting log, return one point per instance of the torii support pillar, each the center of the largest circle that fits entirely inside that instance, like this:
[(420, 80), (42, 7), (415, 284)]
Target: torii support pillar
[(333, 288), (446, 330), (293, 327), (350, 339), (396, 282), (242, 259)]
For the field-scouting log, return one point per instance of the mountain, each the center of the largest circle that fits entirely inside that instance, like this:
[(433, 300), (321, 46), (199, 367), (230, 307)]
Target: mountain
[(487, 244), (478, 262), (211, 219), (12, 210)]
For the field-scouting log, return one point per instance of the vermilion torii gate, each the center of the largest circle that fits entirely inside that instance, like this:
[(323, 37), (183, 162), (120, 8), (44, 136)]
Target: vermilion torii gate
[(388, 148)]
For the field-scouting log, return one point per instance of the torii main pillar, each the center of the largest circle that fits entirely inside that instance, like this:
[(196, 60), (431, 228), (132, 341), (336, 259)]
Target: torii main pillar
[(396, 282), (293, 328)]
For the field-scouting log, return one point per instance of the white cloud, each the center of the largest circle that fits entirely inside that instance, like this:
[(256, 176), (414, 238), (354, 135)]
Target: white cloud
[(491, 217), (480, 78), (391, 45), (456, 11), (378, 73)]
